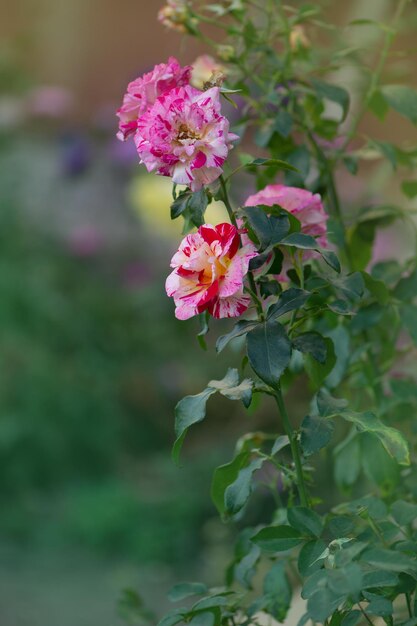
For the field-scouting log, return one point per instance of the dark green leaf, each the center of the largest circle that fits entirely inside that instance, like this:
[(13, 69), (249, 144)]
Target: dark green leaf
[(389, 560), (378, 105), (408, 314), (290, 300), (334, 93), (190, 410), (184, 590), (305, 520), (309, 557), (316, 433), (300, 240), (277, 538), (282, 165), (331, 259), (269, 230), (237, 494), (224, 476), (239, 329), (312, 343), (404, 512), (277, 592), (316, 371), (322, 604), (269, 351), (378, 605), (393, 440), (347, 461)]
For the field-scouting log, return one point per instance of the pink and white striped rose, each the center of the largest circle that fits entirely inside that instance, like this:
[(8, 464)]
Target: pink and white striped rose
[(209, 273), (184, 136), (143, 91)]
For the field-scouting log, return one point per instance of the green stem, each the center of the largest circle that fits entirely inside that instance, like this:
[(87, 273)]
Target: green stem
[(366, 616), (375, 76), (294, 447), (408, 599)]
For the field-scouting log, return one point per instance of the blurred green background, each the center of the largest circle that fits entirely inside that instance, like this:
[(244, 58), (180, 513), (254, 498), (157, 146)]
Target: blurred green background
[(92, 360)]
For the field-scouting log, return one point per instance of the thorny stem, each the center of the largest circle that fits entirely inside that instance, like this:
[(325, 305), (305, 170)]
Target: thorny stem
[(294, 447)]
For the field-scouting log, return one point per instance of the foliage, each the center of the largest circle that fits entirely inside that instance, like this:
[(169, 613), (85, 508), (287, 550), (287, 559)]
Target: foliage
[(337, 324)]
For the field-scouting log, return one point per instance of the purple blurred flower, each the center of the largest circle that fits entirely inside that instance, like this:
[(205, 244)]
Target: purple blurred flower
[(135, 274), (76, 154), (50, 101)]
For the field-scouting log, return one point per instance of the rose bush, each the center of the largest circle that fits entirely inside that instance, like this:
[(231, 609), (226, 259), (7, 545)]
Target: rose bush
[(294, 263)]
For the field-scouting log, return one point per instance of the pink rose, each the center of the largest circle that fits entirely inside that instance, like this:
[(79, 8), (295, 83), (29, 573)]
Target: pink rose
[(184, 136), (143, 91), (209, 270), (304, 205)]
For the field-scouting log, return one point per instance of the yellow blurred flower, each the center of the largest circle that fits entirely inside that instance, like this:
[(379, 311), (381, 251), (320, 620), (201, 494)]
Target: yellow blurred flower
[(203, 69)]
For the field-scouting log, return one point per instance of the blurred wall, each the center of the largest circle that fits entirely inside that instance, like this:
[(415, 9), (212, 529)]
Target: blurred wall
[(92, 47)]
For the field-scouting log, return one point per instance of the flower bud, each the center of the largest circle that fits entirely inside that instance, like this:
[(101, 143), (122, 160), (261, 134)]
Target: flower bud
[(175, 15), (298, 39), (225, 52)]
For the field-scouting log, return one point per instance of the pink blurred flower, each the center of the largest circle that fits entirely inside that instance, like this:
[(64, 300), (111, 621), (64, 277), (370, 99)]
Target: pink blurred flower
[(143, 91), (209, 270), (184, 136), (304, 205)]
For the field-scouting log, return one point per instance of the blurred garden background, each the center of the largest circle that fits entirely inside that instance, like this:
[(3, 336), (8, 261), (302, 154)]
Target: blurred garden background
[(92, 359)]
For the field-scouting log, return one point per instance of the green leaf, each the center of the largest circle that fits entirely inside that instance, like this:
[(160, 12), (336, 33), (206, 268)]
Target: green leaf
[(316, 432), (312, 343), (269, 230), (237, 494), (408, 314), (378, 465), (184, 590), (347, 461), (333, 93), (378, 605), (305, 520), (404, 512), (379, 579), (377, 288), (378, 105), (280, 442), (240, 328), (300, 240), (309, 557), (192, 205), (331, 259), (283, 123), (172, 618), (393, 440), (277, 592), (351, 618), (290, 300), (317, 372), (277, 538), (225, 475), (409, 188), (269, 351), (192, 409), (282, 165), (389, 560), (346, 580), (322, 604), (402, 99), (204, 618)]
